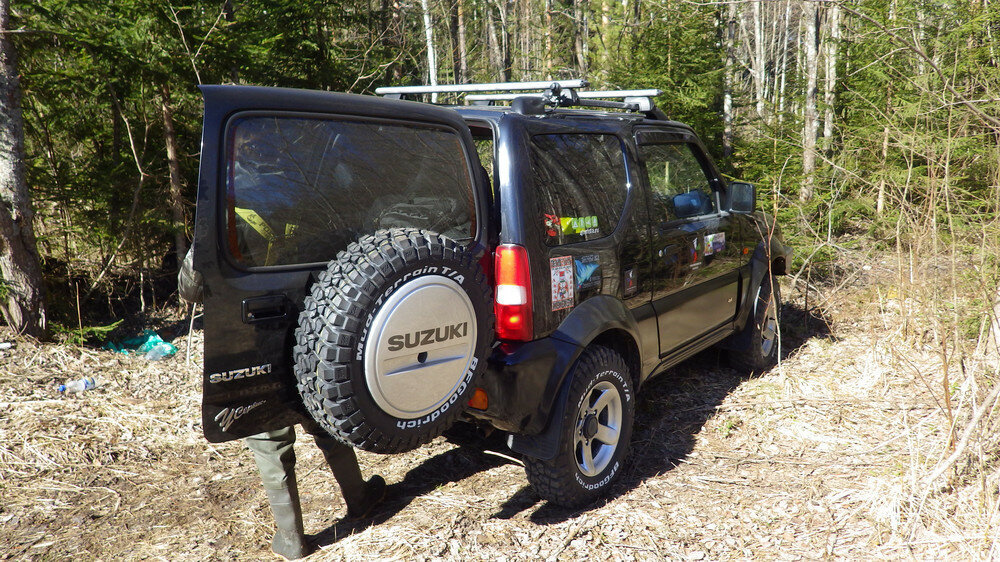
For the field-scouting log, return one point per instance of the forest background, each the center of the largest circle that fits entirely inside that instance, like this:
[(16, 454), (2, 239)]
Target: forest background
[(871, 128), (875, 119), (870, 119)]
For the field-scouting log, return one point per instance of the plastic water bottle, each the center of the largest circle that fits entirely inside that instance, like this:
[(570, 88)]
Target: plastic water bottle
[(86, 383)]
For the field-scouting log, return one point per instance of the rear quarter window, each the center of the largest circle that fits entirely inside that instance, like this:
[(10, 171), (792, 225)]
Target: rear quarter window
[(300, 189), (581, 185)]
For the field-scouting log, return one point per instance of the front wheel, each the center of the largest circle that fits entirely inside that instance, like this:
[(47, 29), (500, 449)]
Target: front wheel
[(597, 428), (759, 337)]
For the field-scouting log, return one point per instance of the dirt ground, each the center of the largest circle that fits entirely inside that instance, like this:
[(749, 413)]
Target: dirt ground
[(829, 455)]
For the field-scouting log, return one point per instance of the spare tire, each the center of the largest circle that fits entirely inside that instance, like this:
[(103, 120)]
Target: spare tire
[(392, 339)]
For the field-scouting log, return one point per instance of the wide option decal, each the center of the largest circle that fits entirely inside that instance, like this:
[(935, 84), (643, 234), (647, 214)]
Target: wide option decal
[(580, 225), (562, 282), (556, 225)]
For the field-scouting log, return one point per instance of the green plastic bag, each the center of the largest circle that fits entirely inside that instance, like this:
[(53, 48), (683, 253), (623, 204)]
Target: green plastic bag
[(148, 343)]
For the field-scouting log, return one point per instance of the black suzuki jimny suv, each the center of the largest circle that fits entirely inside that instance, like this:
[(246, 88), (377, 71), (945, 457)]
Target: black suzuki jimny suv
[(388, 267)]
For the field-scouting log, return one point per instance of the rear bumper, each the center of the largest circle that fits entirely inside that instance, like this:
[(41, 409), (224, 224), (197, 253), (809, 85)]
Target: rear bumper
[(522, 381)]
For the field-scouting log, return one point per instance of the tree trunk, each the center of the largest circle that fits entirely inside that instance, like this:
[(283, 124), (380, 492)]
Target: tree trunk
[(176, 187), (23, 299), (234, 70), (505, 71), (431, 55), (783, 61), (811, 121), (579, 39), (880, 198), (758, 63), (830, 83), (606, 32), (548, 39), (729, 79), (993, 338), (462, 70), (496, 56), (394, 37)]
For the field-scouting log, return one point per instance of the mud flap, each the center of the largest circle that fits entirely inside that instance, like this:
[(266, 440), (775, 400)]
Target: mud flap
[(545, 445)]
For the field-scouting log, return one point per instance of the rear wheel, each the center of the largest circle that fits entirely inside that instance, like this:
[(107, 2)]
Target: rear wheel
[(597, 428)]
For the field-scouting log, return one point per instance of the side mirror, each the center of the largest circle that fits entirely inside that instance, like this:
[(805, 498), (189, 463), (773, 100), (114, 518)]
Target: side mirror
[(742, 197), (691, 204)]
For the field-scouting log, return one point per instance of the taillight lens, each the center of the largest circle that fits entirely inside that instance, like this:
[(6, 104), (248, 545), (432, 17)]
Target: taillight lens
[(513, 293)]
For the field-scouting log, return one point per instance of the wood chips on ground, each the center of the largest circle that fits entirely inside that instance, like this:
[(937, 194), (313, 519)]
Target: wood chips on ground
[(827, 456)]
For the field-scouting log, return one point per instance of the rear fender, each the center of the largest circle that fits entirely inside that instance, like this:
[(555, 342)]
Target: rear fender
[(592, 318)]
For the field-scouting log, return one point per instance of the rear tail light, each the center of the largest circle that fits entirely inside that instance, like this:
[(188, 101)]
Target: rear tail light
[(513, 293)]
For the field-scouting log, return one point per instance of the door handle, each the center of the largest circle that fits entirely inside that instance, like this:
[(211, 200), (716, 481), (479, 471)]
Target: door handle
[(264, 309)]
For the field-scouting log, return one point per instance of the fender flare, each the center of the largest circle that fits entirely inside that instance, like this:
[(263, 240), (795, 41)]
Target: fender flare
[(759, 267), (596, 316)]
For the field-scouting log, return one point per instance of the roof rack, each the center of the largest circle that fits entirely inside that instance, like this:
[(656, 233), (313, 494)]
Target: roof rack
[(555, 93), (638, 100), (399, 91)]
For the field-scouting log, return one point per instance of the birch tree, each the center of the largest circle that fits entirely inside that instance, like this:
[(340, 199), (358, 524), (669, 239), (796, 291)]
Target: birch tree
[(810, 126), (830, 79), (729, 30), (431, 55)]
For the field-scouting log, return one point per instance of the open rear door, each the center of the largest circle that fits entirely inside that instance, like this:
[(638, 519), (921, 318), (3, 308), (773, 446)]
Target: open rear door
[(288, 179)]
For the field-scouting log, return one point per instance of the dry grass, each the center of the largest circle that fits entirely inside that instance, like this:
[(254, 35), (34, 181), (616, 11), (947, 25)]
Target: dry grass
[(846, 450)]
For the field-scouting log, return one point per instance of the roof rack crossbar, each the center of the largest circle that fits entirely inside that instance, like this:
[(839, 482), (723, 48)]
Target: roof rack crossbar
[(634, 100), (591, 94), (629, 106), (494, 87)]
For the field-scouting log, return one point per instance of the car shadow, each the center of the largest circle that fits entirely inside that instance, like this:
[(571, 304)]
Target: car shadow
[(469, 458), (672, 410)]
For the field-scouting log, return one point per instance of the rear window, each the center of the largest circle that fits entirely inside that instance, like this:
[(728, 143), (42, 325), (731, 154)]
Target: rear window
[(301, 189), (581, 184)]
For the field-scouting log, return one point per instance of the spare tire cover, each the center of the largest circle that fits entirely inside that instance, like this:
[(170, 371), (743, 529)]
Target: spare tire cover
[(392, 339)]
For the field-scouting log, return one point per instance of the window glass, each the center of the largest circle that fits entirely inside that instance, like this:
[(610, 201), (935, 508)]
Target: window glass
[(301, 189), (483, 138), (581, 184), (679, 185)]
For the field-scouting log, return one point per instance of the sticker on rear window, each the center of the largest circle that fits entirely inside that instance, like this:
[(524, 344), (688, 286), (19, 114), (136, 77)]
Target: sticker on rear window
[(562, 282), (553, 226), (579, 225)]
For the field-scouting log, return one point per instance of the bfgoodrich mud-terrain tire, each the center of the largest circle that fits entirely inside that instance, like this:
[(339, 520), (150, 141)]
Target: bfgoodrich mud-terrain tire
[(597, 428), (757, 349), (392, 339)]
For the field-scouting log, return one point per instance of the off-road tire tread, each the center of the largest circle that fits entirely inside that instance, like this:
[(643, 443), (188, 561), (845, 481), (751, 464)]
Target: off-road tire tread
[(555, 480), (748, 359), (328, 327)]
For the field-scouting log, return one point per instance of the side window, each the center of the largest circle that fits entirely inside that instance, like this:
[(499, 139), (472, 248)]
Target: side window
[(581, 184), (679, 186)]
